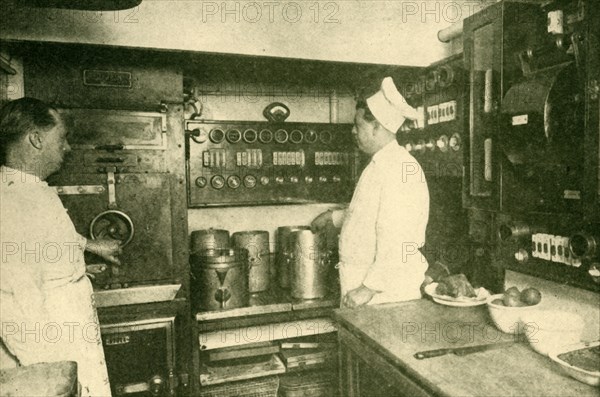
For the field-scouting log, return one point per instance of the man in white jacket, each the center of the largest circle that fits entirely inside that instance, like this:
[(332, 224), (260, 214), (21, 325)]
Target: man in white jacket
[(46, 311), (384, 226)]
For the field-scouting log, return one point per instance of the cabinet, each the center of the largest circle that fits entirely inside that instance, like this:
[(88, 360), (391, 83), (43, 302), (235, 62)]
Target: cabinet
[(364, 372), (224, 356), (492, 40)]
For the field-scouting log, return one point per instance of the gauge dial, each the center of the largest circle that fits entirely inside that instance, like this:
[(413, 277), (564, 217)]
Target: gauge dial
[(216, 135), (281, 136), (250, 181), (296, 136), (455, 142), (217, 182), (250, 136), (265, 136), (234, 136), (326, 136), (234, 181), (201, 182), (311, 136)]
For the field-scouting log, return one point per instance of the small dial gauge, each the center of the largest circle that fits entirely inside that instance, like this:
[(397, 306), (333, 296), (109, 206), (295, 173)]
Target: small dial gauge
[(216, 135), (234, 181), (201, 182), (234, 136), (454, 142), (250, 136), (250, 181), (217, 182), (264, 180), (296, 136), (281, 136), (265, 136), (326, 136), (311, 136), (442, 143)]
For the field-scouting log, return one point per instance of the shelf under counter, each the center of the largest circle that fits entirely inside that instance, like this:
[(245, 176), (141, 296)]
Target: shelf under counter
[(266, 307), (273, 315)]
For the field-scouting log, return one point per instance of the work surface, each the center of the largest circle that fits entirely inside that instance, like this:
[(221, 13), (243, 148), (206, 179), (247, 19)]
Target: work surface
[(397, 331)]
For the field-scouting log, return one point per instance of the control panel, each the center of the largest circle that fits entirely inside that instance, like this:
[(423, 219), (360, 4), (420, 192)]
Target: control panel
[(435, 137), (255, 163), (562, 248)]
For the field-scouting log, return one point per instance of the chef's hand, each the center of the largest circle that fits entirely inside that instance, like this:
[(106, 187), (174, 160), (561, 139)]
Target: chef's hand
[(321, 222), (358, 297), (105, 247)]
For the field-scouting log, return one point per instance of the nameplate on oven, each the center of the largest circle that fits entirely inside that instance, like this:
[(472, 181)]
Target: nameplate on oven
[(117, 339)]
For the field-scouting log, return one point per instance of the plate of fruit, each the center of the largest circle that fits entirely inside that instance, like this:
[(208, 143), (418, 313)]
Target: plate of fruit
[(456, 290)]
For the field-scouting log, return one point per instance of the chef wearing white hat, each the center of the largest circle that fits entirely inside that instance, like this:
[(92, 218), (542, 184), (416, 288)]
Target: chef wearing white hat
[(384, 226)]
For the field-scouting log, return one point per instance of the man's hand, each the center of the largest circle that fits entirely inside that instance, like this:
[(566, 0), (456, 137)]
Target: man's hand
[(107, 248), (358, 297), (321, 222)]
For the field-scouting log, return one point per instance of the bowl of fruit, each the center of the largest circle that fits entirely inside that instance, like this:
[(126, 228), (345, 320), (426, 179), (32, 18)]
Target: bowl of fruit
[(508, 309)]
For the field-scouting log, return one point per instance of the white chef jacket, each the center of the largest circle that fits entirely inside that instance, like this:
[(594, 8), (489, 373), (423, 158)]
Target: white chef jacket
[(384, 228), (46, 307)]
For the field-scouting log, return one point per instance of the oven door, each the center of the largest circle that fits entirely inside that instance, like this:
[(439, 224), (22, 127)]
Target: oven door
[(140, 357)]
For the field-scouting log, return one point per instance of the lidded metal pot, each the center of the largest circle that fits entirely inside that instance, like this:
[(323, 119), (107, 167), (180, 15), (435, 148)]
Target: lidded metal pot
[(209, 239), (219, 279), (283, 254), (310, 265), (256, 242)]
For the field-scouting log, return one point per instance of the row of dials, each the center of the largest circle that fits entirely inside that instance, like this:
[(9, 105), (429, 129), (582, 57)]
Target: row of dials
[(443, 144), (233, 135), (250, 181)]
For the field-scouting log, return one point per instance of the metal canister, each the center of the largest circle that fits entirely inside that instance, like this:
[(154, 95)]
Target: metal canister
[(309, 270), (219, 279), (282, 257), (209, 239), (256, 242)]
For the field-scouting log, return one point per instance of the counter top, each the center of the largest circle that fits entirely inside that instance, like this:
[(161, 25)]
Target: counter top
[(397, 331)]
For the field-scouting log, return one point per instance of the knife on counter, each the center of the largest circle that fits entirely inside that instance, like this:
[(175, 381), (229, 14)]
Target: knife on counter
[(461, 351)]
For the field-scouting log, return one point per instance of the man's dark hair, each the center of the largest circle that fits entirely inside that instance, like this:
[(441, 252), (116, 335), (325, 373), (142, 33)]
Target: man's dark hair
[(21, 116), (361, 103)]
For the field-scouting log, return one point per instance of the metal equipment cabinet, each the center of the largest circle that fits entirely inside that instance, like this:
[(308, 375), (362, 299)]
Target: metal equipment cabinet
[(490, 39)]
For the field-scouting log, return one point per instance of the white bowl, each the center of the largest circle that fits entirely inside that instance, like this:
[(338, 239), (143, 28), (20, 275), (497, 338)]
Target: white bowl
[(547, 329), (590, 377), (507, 318)]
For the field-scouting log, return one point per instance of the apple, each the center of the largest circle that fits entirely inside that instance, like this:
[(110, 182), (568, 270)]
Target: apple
[(531, 296)]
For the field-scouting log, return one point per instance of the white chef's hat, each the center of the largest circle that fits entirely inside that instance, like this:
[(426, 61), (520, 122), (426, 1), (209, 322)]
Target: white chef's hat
[(389, 106)]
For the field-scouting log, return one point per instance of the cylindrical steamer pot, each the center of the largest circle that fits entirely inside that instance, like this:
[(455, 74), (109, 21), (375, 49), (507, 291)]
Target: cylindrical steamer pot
[(282, 260), (256, 242), (219, 279), (310, 265)]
